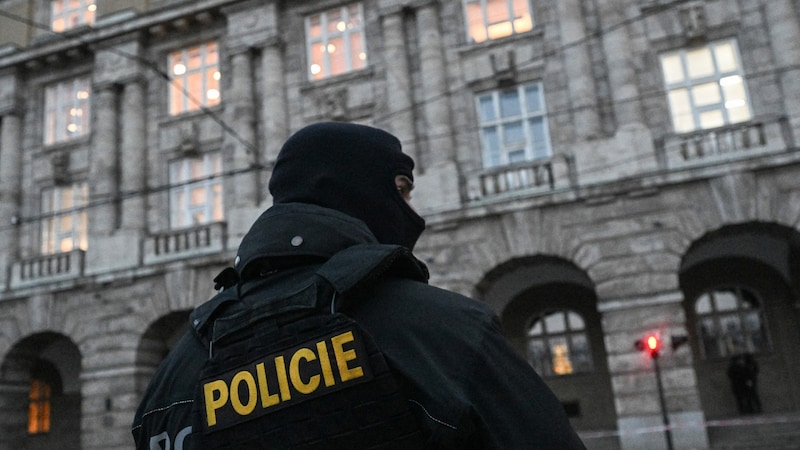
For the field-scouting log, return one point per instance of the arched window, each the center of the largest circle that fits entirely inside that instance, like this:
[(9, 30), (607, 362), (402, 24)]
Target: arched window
[(39, 407), (557, 343), (730, 322), (45, 384)]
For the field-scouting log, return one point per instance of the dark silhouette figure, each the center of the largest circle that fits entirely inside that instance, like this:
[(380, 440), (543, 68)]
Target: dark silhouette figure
[(743, 373)]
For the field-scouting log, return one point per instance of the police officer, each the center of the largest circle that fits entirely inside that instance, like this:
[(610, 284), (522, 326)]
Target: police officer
[(345, 189)]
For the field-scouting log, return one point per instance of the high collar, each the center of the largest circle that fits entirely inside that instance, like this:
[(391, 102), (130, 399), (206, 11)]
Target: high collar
[(296, 231)]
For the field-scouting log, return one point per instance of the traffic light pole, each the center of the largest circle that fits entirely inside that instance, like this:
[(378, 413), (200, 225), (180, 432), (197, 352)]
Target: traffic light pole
[(662, 402)]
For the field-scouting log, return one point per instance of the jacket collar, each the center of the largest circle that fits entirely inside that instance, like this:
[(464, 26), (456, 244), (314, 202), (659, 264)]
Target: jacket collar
[(299, 231)]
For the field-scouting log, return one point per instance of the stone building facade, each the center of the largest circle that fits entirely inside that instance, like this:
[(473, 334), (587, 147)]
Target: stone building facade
[(594, 170)]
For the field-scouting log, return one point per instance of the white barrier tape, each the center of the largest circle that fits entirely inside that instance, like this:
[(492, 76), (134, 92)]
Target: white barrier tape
[(693, 424)]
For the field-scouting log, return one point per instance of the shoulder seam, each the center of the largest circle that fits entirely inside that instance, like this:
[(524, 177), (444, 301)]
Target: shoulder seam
[(179, 402), (431, 417)]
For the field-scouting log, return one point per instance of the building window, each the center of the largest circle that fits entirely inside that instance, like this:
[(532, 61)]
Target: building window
[(67, 114), (335, 42), (558, 344), (39, 407), (705, 86), (730, 322), (195, 78), (196, 198), (67, 14), (494, 19), (513, 125), (64, 226)]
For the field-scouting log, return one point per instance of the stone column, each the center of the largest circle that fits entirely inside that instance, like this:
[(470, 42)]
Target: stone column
[(103, 163), (10, 180), (276, 126), (133, 146), (622, 76), (578, 68), (398, 83), (440, 186), (784, 32), (240, 111)]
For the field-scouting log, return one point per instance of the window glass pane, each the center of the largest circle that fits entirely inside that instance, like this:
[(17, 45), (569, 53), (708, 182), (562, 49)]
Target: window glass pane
[(357, 54), (513, 134), (703, 305), (522, 16), (477, 29), (539, 141), (711, 119), (575, 321), (496, 11), (732, 334), (699, 63), (516, 156), (533, 98), (536, 329), (725, 301), (538, 356), (672, 66), (725, 57), (708, 337), (554, 323), (509, 104), (486, 108), (579, 352), (491, 142), (314, 26), (706, 94), (562, 364)]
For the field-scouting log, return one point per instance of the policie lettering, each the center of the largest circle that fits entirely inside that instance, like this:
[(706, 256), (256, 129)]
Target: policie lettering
[(285, 378)]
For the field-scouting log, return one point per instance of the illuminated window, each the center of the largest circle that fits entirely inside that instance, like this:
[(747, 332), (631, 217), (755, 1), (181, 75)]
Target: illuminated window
[(196, 198), (195, 76), (39, 407), (493, 19), (730, 322), (67, 14), (64, 226), (66, 109), (335, 41), (705, 86), (513, 125), (558, 345)]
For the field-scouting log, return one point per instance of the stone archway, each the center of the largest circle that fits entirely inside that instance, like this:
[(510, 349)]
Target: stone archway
[(40, 393), (524, 290), (156, 342), (753, 269)]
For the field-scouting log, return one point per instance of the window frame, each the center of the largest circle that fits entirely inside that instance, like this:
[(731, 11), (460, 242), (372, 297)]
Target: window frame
[(182, 214), (740, 313), (531, 152), (486, 23), (182, 97), (325, 37), (689, 86), (568, 334), (84, 14), (67, 103), (53, 236)]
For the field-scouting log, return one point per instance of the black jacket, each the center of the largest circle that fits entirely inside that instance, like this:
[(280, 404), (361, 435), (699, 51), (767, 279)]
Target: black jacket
[(467, 385)]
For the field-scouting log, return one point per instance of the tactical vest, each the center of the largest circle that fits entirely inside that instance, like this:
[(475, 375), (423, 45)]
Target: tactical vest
[(296, 373)]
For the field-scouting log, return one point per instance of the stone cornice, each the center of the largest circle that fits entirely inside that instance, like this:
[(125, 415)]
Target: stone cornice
[(93, 36)]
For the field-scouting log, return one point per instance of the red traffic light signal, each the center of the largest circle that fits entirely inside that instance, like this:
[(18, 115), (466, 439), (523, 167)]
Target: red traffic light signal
[(651, 343)]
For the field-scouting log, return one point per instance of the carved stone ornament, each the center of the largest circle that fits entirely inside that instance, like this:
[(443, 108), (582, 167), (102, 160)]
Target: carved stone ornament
[(693, 20), (60, 163)]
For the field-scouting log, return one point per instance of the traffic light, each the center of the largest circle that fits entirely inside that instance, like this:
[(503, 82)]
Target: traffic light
[(651, 344)]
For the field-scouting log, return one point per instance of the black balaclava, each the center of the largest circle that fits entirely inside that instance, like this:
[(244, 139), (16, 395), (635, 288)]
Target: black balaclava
[(350, 168)]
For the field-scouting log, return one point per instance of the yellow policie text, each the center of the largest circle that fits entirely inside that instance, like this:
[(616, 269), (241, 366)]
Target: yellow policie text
[(284, 378)]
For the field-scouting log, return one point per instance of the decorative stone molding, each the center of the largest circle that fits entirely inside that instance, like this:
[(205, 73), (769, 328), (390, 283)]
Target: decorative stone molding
[(693, 20)]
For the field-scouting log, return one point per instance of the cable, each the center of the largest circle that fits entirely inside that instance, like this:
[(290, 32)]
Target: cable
[(458, 89)]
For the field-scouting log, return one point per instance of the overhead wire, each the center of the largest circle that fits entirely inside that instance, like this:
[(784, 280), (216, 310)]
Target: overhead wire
[(457, 89)]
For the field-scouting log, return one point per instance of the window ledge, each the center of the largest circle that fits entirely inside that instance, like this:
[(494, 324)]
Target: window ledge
[(185, 243)]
